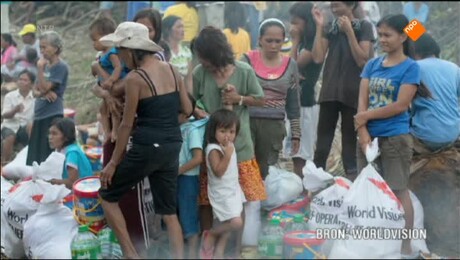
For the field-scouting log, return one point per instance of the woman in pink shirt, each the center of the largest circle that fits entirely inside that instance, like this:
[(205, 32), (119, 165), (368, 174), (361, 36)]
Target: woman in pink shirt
[(278, 76), (9, 49)]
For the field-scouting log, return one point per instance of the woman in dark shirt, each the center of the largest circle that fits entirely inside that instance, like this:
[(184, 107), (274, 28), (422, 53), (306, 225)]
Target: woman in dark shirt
[(153, 86), (348, 44)]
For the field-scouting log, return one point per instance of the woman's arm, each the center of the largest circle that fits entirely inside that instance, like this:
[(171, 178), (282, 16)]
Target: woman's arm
[(364, 137), (132, 89), (360, 51), (42, 86), (405, 96), (186, 103), (73, 177), (321, 44)]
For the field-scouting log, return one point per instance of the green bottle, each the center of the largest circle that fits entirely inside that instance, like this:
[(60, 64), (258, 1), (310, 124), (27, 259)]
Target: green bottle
[(85, 245)]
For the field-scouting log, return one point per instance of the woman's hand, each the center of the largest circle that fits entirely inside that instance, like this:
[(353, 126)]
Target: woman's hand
[(55, 181), (295, 144), (229, 95), (200, 113), (51, 96), (107, 174), (345, 24), (114, 105), (41, 63), (364, 139), (318, 16), (361, 119)]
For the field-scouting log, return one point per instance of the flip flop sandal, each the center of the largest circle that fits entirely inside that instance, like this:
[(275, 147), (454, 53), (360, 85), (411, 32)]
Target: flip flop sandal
[(206, 253)]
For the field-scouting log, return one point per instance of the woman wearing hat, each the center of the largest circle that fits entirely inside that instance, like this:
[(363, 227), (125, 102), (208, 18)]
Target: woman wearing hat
[(157, 95), (52, 75)]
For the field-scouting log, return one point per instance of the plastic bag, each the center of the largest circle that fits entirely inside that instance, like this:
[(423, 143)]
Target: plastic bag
[(49, 232), (6, 185), (281, 186), (252, 223), (314, 178), (17, 168), (370, 204), (23, 199)]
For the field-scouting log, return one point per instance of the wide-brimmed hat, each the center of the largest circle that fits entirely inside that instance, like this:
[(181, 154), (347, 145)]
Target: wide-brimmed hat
[(28, 28), (131, 35)]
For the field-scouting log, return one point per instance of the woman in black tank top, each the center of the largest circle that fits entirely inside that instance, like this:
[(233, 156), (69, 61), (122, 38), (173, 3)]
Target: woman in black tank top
[(153, 91)]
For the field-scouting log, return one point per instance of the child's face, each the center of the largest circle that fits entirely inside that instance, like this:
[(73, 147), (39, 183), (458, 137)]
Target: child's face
[(95, 36), (225, 135)]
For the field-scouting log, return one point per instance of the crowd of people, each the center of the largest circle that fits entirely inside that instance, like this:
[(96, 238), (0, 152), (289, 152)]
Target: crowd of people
[(200, 115)]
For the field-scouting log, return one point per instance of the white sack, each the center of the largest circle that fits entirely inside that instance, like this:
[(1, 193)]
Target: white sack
[(281, 187)]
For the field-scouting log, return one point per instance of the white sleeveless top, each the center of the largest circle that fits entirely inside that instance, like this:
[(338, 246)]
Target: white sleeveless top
[(225, 193)]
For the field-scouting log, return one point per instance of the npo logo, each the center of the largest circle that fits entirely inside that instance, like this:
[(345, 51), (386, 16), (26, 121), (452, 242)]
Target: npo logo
[(414, 29)]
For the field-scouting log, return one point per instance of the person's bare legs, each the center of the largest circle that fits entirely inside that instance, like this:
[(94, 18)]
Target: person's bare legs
[(222, 240), (176, 240), (234, 224), (239, 237), (117, 222), (7, 148), (205, 217), (193, 247), (404, 197), (105, 121), (115, 124)]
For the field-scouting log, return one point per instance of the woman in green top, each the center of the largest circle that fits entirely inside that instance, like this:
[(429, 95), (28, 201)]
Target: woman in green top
[(218, 71)]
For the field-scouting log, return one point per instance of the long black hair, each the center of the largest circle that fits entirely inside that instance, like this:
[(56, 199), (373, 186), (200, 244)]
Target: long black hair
[(155, 19), (398, 22), (67, 128), (302, 10), (167, 25), (234, 16), (212, 46), (221, 118), (9, 39)]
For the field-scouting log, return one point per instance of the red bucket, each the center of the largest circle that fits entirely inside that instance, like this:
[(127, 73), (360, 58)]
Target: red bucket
[(87, 204)]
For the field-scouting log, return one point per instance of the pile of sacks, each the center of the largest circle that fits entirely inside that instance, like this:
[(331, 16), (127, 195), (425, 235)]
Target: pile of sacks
[(366, 203), (35, 223)]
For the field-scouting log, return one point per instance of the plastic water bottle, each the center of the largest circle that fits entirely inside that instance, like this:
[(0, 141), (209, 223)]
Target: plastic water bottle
[(271, 240), (298, 224), (85, 245), (110, 248)]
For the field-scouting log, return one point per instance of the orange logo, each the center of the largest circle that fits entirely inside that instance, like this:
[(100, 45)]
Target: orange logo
[(415, 29)]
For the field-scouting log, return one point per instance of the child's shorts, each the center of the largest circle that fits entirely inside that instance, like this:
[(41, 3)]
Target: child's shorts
[(188, 189)]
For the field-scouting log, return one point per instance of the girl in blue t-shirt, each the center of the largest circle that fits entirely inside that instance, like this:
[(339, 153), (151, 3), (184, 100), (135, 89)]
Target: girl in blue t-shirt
[(76, 165), (387, 87)]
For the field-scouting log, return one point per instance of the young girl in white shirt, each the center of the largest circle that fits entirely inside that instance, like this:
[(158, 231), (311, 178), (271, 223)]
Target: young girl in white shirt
[(224, 191)]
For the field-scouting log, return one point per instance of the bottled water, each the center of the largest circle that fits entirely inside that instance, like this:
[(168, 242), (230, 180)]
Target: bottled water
[(85, 245), (298, 224), (271, 240), (110, 248)]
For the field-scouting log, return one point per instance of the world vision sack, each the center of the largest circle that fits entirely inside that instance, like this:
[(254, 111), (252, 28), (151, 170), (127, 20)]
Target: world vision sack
[(372, 214)]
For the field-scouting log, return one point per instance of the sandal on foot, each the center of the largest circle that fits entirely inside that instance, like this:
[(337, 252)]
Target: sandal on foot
[(206, 253)]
